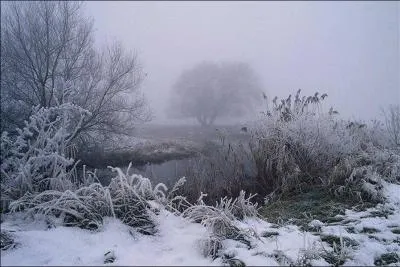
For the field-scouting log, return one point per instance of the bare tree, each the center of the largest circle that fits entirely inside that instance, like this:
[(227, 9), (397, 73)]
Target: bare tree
[(392, 122), (211, 90), (45, 44)]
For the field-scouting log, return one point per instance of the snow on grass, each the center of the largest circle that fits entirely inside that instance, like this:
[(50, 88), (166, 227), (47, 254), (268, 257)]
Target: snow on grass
[(287, 240), (174, 244), (392, 193), (372, 229), (368, 234)]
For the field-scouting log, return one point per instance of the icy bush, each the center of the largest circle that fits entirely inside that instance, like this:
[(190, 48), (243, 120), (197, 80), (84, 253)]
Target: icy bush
[(364, 184), (296, 145), (360, 176), (301, 151), (240, 207), (293, 146), (210, 246), (220, 221), (6, 241), (133, 199), (392, 123), (387, 164), (126, 197), (37, 159)]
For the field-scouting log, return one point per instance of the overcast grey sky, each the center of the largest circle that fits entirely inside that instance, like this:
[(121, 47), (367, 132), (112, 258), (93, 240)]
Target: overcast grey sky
[(348, 49)]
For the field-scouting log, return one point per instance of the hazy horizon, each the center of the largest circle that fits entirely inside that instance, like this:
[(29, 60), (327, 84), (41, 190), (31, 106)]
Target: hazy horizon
[(349, 50)]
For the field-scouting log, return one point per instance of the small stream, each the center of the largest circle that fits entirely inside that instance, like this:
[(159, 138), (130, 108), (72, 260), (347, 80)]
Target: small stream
[(167, 172)]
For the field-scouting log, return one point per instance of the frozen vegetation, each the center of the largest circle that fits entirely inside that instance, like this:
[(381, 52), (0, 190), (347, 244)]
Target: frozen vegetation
[(54, 215), (298, 185), (204, 235)]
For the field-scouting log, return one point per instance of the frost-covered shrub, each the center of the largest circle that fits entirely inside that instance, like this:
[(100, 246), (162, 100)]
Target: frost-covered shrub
[(378, 135), (210, 246), (294, 146), (132, 199), (363, 184), (7, 241), (392, 123), (386, 163), (176, 202), (219, 226), (220, 221), (130, 196), (80, 208), (297, 145), (37, 158), (301, 151), (360, 176), (339, 254), (127, 198), (240, 207), (307, 255)]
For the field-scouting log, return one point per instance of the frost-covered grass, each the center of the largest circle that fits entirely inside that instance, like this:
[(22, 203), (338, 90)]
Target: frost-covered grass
[(57, 219), (180, 239), (126, 197), (371, 229), (174, 244), (296, 146), (39, 157), (178, 242)]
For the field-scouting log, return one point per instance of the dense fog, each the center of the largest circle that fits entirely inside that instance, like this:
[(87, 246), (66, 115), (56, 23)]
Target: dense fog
[(349, 50)]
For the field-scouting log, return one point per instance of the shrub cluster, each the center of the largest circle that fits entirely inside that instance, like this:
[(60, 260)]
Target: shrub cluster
[(294, 146)]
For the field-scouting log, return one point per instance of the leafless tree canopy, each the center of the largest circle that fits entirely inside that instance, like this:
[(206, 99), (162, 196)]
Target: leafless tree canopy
[(211, 90), (47, 44)]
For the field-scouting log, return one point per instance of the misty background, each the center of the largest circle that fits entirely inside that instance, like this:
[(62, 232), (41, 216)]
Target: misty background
[(349, 50)]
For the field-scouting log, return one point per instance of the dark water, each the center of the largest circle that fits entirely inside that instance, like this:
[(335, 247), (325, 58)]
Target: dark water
[(168, 172)]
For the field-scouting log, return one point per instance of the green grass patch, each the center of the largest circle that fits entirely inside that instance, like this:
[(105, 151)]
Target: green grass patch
[(387, 258), (7, 241), (396, 231), (330, 239), (382, 213), (363, 206), (333, 259), (333, 219), (269, 234), (369, 230), (274, 226), (302, 208), (347, 221), (351, 229)]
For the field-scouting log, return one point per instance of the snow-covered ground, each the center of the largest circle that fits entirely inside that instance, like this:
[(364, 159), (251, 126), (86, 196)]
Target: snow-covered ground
[(178, 241), (174, 244)]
